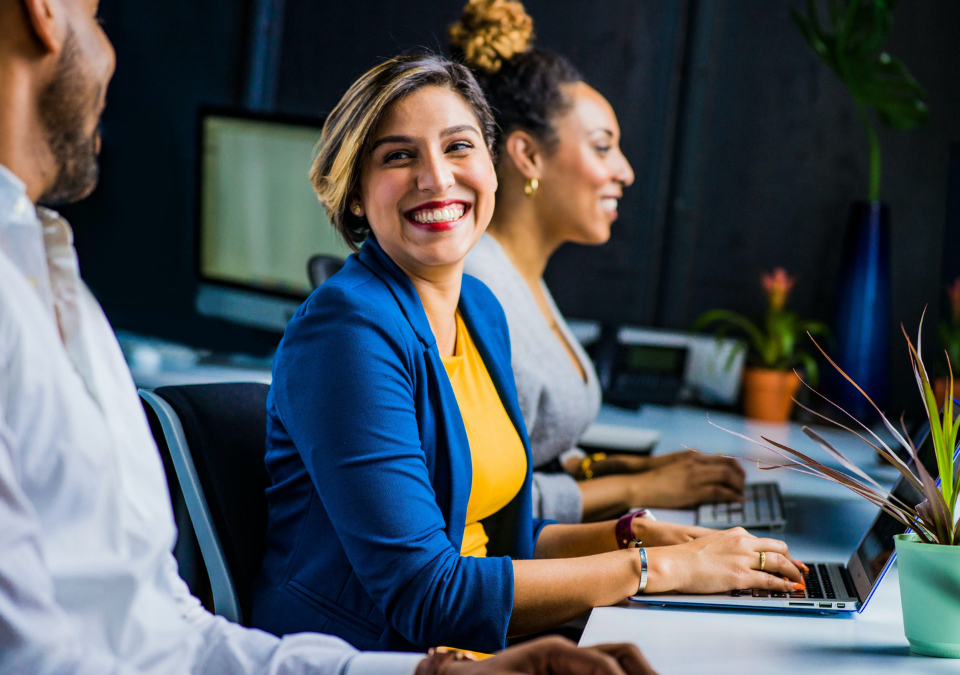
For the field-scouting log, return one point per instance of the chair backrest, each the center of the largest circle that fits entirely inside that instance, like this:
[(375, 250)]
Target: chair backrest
[(322, 267), (216, 434)]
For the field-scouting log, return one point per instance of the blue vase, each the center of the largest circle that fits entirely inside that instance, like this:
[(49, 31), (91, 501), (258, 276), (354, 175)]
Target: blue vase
[(861, 321)]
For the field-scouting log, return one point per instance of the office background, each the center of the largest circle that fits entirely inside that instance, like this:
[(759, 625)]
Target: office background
[(747, 150)]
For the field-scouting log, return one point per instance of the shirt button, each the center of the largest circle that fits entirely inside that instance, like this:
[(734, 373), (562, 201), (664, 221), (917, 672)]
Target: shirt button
[(22, 205)]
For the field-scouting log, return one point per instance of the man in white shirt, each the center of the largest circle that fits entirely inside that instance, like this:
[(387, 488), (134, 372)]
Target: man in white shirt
[(88, 583)]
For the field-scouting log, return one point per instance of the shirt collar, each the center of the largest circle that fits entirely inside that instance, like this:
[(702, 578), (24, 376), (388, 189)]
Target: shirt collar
[(40, 244), (13, 196)]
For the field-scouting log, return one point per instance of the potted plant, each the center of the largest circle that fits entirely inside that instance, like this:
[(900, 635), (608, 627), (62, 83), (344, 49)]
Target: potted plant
[(769, 381), (849, 37), (950, 341), (929, 556)]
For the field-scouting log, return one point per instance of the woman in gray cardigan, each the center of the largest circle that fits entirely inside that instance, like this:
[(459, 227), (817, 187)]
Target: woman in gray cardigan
[(561, 174)]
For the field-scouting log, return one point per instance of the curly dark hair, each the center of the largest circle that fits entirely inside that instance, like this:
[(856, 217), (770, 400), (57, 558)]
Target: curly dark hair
[(523, 84)]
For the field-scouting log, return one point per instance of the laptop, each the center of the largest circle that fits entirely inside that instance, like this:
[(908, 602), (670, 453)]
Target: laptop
[(831, 587)]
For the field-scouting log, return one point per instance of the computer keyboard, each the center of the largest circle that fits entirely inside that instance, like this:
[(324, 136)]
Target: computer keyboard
[(819, 587), (761, 508)]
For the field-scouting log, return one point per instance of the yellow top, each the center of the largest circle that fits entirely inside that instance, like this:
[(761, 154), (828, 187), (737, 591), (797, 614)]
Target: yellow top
[(497, 454)]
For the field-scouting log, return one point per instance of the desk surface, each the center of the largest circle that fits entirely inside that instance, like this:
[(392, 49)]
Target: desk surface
[(711, 642), (825, 523)]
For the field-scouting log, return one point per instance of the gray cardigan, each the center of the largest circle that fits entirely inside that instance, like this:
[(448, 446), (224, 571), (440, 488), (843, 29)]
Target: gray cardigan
[(556, 403)]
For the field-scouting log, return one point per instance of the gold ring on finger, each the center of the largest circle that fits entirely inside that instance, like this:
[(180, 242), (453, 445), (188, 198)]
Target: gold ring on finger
[(763, 560)]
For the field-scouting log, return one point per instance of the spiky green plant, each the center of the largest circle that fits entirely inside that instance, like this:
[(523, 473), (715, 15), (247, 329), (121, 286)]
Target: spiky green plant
[(851, 44), (933, 518), (773, 339)]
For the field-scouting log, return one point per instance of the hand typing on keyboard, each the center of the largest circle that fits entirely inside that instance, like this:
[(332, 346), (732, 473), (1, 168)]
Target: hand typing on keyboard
[(683, 479), (675, 480), (724, 561), (816, 579)]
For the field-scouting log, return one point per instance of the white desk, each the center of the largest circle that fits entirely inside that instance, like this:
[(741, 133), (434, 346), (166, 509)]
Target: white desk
[(158, 363), (825, 523), (712, 642)]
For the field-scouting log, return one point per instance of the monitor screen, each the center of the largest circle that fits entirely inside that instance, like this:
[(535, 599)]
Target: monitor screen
[(260, 220), (656, 358)]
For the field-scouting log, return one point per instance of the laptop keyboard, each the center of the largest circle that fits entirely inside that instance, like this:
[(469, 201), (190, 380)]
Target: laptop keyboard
[(762, 507), (819, 587)]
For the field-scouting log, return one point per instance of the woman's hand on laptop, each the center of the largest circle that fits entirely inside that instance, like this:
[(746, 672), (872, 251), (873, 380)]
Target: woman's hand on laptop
[(723, 561), (659, 533), (556, 656)]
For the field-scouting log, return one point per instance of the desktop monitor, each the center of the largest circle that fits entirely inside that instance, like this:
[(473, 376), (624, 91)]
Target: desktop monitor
[(259, 220)]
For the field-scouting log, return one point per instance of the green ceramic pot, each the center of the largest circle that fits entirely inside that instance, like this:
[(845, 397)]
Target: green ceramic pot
[(930, 595)]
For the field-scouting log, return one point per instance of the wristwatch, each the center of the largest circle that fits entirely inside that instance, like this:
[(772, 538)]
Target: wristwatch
[(624, 527), (636, 543)]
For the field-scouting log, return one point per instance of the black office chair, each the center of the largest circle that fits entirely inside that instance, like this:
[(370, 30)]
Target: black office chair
[(322, 267), (216, 437)]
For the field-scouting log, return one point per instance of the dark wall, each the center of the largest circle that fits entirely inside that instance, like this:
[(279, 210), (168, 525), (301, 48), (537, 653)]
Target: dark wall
[(777, 157), (632, 52), (134, 235), (747, 150)]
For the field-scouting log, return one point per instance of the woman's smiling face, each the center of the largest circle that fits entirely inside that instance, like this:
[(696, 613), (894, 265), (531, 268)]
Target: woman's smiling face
[(427, 184), (584, 176)]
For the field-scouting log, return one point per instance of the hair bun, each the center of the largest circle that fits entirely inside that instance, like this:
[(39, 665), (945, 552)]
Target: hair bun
[(490, 32)]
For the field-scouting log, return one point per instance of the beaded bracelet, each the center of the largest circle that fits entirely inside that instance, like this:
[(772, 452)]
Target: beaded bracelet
[(586, 465)]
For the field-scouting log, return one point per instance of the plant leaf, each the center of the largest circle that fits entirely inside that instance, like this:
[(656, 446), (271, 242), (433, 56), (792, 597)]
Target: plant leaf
[(738, 320), (847, 464), (884, 452)]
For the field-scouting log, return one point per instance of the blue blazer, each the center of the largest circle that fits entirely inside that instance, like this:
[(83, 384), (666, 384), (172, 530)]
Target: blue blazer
[(370, 472)]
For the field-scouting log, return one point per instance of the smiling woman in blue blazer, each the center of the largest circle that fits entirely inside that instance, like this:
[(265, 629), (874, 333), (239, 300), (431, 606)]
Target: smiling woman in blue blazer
[(400, 498)]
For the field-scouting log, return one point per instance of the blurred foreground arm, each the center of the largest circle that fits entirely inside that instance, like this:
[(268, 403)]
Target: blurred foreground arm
[(552, 656)]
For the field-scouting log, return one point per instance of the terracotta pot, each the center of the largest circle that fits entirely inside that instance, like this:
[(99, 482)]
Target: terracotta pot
[(940, 389), (768, 394)]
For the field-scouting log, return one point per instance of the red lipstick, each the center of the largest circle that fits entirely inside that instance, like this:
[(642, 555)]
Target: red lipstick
[(432, 222)]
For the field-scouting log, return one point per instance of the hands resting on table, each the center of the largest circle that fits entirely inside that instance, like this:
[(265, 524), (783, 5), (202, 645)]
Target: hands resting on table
[(556, 656), (675, 480)]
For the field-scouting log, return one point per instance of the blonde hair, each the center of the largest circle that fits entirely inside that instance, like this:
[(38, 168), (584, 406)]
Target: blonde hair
[(490, 32), (346, 134)]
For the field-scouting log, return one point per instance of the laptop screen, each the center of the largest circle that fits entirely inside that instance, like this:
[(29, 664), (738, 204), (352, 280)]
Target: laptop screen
[(878, 544)]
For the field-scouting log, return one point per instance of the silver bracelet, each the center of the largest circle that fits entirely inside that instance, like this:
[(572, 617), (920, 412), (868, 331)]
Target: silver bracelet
[(643, 565)]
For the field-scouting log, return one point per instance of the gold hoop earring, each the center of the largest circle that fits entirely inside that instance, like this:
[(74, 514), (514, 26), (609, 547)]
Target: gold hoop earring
[(531, 187), (357, 210)]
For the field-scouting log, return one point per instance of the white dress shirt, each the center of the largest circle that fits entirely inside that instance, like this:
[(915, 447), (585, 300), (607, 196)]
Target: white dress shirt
[(88, 583)]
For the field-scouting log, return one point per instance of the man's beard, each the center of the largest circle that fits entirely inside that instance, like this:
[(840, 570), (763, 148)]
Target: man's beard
[(64, 106)]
